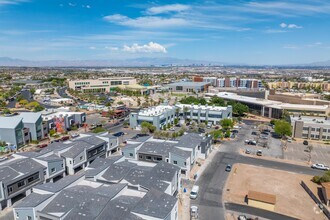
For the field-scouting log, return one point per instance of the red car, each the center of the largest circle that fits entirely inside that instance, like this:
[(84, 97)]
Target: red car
[(42, 145), (65, 138)]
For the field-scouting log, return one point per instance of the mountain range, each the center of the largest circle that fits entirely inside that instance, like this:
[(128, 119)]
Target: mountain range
[(137, 62)]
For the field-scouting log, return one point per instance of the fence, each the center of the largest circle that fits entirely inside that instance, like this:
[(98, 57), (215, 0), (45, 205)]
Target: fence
[(316, 199)]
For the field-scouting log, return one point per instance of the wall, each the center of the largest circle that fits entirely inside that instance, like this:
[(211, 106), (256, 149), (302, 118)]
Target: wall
[(261, 205), (23, 213)]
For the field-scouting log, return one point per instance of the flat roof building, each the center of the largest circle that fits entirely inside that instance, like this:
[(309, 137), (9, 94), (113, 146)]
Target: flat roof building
[(195, 87), (273, 109), (101, 84), (307, 127)]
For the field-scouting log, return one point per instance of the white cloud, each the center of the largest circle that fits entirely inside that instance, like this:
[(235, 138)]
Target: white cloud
[(92, 48), (290, 26), (151, 47), (12, 2), (292, 47), (71, 4), (283, 25), (167, 8), (88, 6), (146, 22)]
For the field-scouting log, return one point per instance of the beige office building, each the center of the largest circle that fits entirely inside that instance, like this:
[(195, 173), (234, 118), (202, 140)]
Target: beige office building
[(101, 84), (306, 127)]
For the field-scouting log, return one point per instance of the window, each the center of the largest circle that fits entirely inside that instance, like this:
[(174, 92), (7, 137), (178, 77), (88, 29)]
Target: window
[(21, 183), (70, 162), (34, 177), (318, 129), (45, 172), (148, 157), (140, 157), (29, 218), (305, 128), (313, 129), (10, 189), (175, 162), (62, 165), (324, 130), (185, 163), (131, 154), (81, 157), (53, 170)]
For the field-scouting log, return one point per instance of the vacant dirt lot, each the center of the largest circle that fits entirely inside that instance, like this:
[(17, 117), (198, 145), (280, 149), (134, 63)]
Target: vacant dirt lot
[(292, 200)]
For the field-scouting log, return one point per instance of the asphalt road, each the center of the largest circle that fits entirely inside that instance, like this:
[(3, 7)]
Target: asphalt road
[(213, 179)]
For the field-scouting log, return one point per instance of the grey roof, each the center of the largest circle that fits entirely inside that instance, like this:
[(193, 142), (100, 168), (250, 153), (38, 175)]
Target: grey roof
[(50, 158), (131, 146), (91, 141), (29, 154), (181, 153), (190, 140), (100, 164), (74, 151), (9, 122), (164, 171), (156, 204), (117, 171), (119, 208), (190, 84), (107, 135), (140, 139), (56, 146), (156, 148), (82, 202), (139, 175), (32, 200), (59, 185), (18, 167), (29, 117)]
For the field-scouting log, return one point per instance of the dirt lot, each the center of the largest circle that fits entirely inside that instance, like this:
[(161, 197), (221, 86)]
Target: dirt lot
[(292, 200)]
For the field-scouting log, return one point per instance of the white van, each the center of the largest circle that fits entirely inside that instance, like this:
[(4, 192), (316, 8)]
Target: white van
[(194, 192)]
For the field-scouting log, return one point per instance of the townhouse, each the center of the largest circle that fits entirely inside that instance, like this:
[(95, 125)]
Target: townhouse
[(12, 131), (182, 152)]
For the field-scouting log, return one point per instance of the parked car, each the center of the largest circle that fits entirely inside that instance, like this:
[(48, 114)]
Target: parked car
[(194, 192), (305, 142), (242, 217), (228, 168), (320, 166), (65, 138), (3, 159), (216, 127), (75, 135), (118, 134), (250, 142), (172, 129), (201, 130), (178, 125), (247, 151), (42, 145), (259, 153), (289, 140)]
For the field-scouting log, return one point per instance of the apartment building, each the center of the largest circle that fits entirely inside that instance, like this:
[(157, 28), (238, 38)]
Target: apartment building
[(12, 131), (158, 116), (230, 82), (121, 190), (32, 121), (182, 152), (204, 113), (316, 128), (101, 84), (324, 86)]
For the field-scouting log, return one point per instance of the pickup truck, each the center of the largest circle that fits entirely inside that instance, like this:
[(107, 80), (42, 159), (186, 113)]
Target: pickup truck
[(320, 166)]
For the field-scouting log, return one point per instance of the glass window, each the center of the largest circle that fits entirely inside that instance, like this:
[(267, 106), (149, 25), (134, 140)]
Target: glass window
[(175, 162)]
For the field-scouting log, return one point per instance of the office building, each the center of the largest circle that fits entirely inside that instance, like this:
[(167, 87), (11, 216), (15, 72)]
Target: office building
[(306, 127), (158, 116), (101, 84), (33, 121), (273, 109), (194, 87), (204, 113)]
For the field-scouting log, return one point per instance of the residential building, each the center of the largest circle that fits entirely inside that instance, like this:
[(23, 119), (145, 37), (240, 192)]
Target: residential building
[(12, 131), (158, 116), (121, 190), (324, 86), (17, 178), (182, 152), (317, 128), (101, 84), (273, 109), (194, 87), (230, 82), (204, 113), (32, 121)]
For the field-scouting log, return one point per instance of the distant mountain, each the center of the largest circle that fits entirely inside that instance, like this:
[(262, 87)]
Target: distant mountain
[(324, 63), (137, 62)]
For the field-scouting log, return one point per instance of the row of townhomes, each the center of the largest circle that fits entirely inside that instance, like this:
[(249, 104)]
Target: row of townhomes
[(28, 169), (110, 188), (165, 114), (21, 129), (182, 152)]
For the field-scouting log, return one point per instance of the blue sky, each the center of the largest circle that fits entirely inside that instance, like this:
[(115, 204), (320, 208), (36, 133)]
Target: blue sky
[(233, 31)]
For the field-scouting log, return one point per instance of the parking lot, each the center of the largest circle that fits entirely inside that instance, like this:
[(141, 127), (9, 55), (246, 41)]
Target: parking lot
[(319, 154), (269, 145)]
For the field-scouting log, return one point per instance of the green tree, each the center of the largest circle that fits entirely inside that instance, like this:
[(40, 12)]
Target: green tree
[(176, 121), (146, 125), (217, 101), (23, 102), (216, 135), (322, 179), (168, 126), (283, 127), (240, 109), (227, 123), (6, 111)]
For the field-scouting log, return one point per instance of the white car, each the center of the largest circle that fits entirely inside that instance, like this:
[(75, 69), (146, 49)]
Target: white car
[(320, 166), (194, 192)]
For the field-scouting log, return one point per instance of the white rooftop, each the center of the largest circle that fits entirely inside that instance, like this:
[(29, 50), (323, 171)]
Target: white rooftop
[(311, 120), (155, 111), (202, 107)]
